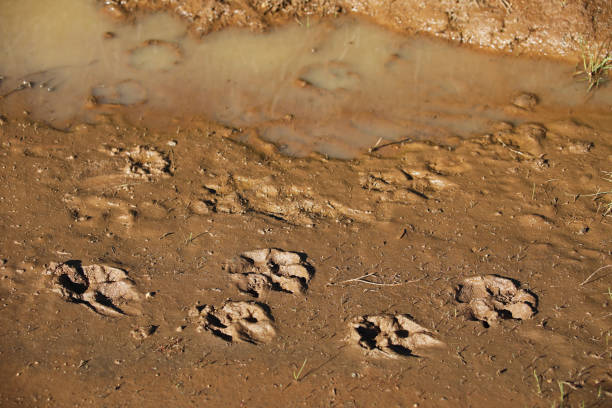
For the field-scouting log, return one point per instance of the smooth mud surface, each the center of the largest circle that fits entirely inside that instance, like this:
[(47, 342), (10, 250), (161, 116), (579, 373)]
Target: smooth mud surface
[(177, 225)]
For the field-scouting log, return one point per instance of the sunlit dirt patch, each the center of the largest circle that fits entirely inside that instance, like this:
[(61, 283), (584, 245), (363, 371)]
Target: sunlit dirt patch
[(147, 162)]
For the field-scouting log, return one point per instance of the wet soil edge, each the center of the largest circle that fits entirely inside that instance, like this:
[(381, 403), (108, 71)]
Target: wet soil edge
[(553, 28)]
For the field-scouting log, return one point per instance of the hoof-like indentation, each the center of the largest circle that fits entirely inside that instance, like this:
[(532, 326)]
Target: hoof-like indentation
[(489, 298)]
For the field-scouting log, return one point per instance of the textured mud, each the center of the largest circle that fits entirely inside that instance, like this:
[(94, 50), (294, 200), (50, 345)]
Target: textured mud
[(261, 270), (507, 229), (411, 227), (489, 298), (104, 289), (237, 321), (391, 336), (537, 27)]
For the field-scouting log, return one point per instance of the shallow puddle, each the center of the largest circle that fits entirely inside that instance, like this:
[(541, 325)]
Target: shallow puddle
[(336, 86)]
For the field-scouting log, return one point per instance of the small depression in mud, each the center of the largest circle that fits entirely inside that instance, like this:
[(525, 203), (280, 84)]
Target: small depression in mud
[(333, 86)]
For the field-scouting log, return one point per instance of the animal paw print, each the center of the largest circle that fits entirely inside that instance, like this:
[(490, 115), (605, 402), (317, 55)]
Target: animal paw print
[(270, 269), (248, 322), (489, 298), (391, 335), (105, 290)]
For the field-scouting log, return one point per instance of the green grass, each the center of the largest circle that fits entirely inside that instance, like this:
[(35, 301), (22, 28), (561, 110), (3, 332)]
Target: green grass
[(537, 379), (561, 390), (296, 376), (596, 65)]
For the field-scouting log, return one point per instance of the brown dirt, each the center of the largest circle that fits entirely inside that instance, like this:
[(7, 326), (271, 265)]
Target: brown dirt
[(199, 266), (534, 27), (419, 217)]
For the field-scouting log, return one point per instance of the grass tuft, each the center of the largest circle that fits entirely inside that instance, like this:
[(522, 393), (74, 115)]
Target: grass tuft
[(537, 379), (597, 65)]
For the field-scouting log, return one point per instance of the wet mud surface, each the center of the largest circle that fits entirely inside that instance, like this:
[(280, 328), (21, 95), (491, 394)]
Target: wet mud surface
[(536, 27), (199, 263), (497, 259)]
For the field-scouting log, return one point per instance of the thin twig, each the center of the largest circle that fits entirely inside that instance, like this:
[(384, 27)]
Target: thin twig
[(398, 142), (356, 279), (593, 274), (515, 151), (361, 279)]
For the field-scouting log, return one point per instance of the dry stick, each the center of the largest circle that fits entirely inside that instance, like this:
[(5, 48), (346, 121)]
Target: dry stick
[(514, 150), (593, 274), (378, 147), (361, 279)]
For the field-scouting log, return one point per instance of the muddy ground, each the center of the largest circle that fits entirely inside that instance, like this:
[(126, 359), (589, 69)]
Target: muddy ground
[(200, 267), (556, 28)]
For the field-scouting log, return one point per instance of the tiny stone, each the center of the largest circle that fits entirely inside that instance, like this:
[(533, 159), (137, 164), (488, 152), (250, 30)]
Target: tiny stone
[(172, 143)]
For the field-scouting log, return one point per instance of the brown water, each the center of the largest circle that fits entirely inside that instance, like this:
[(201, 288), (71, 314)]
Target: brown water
[(337, 87)]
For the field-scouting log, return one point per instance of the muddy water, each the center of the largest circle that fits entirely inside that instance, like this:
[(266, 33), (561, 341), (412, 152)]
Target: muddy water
[(337, 87)]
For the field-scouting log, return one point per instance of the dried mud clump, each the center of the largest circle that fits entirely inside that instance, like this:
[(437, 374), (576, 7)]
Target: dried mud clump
[(106, 290), (260, 270), (489, 298), (147, 162), (391, 335), (249, 322)]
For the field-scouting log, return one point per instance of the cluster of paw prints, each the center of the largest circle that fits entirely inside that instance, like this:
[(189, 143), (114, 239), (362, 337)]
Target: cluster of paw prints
[(109, 291)]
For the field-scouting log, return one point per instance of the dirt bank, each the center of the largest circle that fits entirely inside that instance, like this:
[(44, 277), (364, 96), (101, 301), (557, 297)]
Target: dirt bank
[(535, 27)]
